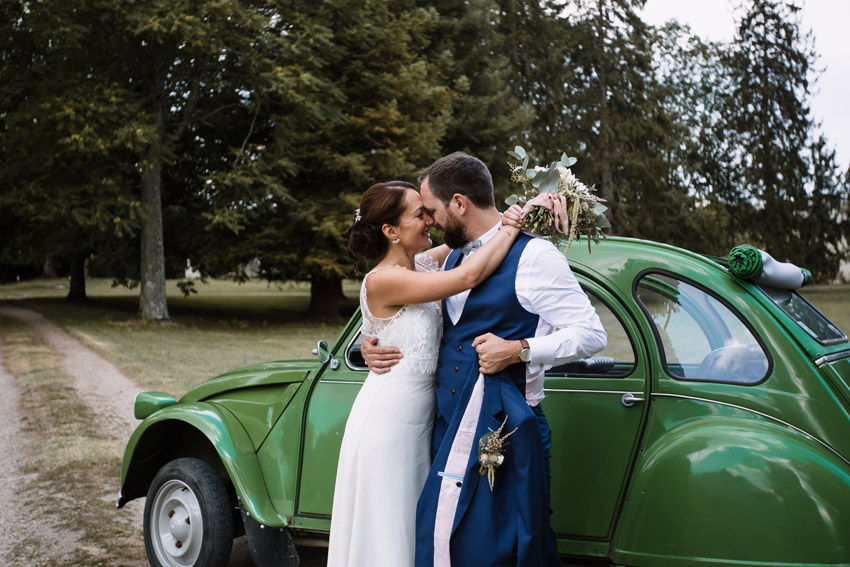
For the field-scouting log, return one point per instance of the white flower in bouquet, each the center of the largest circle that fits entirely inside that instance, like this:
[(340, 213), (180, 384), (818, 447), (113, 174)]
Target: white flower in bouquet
[(575, 210)]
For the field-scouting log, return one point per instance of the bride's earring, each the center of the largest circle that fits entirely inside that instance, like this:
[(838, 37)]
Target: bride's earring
[(396, 240)]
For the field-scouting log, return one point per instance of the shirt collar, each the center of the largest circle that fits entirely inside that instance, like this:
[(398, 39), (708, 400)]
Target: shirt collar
[(470, 247)]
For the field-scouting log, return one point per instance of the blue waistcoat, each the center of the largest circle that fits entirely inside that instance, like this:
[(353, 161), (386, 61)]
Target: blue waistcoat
[(509, 525), (492, 307)]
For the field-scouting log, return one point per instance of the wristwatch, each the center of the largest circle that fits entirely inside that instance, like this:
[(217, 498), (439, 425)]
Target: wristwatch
[(525, 353)]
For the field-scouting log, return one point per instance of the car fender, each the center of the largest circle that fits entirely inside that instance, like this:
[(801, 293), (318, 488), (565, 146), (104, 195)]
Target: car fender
[(738, 486), (178, 431)]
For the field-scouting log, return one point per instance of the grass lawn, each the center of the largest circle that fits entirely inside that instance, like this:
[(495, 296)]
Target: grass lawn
[(226, 325)]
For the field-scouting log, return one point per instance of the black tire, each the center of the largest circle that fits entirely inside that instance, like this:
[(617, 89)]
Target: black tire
[(184, 494)]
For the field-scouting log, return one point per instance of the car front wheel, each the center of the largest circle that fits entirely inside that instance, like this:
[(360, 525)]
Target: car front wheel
[(188, 519)]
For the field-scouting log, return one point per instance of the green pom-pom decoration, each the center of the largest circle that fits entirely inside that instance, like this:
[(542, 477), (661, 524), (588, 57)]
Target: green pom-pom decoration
[(745, 261)]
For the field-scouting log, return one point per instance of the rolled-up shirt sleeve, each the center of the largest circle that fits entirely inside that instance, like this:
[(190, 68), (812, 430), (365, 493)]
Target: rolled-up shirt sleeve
[(546, 286)]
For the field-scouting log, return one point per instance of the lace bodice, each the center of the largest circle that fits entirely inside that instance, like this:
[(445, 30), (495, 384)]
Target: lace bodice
[(416, 329)]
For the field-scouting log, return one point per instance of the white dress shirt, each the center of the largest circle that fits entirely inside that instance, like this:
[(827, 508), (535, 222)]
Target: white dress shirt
[(569, 327)]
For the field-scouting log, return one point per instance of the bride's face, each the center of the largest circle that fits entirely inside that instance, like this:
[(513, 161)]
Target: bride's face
[(414, 228)]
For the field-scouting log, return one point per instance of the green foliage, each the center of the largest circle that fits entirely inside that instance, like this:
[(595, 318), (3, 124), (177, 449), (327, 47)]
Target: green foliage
[(256, 126), (786, 181)]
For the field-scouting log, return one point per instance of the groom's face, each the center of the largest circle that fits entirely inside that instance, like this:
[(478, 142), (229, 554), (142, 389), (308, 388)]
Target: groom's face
[(454, 231)]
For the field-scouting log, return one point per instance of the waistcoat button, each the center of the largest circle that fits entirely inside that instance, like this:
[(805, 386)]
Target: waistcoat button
[(460, 347), (453, 392), (456, 368)]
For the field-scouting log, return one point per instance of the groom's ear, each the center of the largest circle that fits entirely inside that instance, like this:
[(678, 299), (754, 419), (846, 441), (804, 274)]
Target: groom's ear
[(459, 204)]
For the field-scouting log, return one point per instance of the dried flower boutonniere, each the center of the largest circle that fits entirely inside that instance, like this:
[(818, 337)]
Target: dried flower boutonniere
[(490, 455)]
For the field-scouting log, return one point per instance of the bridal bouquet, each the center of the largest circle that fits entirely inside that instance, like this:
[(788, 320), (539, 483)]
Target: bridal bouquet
[(576, 210)]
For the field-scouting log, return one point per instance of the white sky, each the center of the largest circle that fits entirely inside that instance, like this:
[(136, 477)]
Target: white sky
[(828, 19)]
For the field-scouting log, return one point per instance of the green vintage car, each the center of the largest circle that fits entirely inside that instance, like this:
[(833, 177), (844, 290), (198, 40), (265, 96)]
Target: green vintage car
[(713, 430)]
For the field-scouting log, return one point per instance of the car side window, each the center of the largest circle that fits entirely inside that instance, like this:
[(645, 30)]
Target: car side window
[(353, 356), (617, 360), (701, 337)]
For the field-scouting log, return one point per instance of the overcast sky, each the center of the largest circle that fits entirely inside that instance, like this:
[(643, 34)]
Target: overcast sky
[(828, 19)]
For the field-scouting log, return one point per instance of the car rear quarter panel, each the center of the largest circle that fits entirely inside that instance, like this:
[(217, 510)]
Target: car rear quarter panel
[(720, 485), (730, 474)]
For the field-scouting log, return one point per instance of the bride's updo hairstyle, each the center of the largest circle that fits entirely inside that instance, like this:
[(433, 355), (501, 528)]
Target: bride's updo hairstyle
[(382, 203)]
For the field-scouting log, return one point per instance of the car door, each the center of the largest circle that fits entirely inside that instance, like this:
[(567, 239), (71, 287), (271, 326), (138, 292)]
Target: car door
[(596, 410), (324, 424)]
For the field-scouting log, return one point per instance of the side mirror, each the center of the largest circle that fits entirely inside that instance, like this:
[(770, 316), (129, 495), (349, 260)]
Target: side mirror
[(323, 351)]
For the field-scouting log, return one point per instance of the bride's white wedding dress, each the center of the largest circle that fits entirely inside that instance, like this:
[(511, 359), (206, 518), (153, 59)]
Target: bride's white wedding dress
[(386, 449)]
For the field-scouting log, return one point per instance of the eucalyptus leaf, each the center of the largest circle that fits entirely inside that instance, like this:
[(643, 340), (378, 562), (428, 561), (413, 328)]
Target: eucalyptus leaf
[(602, 222), (530, 173), (565, 160), (525, 161), (512, 200), (599, 208), (550, 181), (514, 155), (538, 178), (520, 151), (572, 161)]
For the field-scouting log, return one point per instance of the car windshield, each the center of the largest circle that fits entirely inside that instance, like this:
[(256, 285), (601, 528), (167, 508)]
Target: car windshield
[(805, 315)]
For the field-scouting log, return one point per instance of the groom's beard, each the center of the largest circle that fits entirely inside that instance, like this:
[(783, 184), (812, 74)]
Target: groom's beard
[(454, 233)]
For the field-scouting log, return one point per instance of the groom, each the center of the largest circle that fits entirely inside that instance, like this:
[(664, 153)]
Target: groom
[(498, 340)]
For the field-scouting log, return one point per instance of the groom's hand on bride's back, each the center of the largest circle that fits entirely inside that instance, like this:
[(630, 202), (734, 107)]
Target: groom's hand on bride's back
[(379, 359)]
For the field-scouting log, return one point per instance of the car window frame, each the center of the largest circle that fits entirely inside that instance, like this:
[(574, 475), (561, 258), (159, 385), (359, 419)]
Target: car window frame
[(604, 296), (734, 311)]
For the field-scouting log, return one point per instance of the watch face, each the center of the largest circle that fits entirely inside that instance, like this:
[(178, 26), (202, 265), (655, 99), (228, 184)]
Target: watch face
[(523, 355)]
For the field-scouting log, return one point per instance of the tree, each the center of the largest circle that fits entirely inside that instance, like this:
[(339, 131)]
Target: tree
[(385, 121), (65, 172), (131, 82), (695, 86), (608, 113), (771, 60), (825, 221), (473, 47)]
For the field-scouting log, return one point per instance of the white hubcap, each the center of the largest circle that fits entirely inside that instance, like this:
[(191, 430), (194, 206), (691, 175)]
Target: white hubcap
[(176, 525)]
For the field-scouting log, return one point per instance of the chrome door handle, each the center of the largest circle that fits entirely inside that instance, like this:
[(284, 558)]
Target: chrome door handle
[(629, 399)]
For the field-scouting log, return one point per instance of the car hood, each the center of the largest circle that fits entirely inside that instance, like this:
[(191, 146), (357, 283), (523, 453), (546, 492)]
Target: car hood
[(264, 374)]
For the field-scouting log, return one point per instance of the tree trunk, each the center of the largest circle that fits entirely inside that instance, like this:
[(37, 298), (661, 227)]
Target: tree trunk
[(77, 287), (152, 302), (48, 271), (324, 298)]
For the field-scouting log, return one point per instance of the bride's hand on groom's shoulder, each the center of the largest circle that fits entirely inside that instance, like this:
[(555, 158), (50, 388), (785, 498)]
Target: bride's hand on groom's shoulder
[(379, 359)]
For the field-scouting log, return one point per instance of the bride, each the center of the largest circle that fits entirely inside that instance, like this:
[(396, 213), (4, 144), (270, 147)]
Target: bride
[(386, 449)]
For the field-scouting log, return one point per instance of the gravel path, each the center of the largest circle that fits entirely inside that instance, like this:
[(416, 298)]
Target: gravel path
[(110, 393), (13, 522)]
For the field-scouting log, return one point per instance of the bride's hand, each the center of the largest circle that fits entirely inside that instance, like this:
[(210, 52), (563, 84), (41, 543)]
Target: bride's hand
[(543, 200), (513, 217)]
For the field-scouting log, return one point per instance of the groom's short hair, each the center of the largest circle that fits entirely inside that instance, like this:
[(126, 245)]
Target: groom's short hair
[(460, 173)]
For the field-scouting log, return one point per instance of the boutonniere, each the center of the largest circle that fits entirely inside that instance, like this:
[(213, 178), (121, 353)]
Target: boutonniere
[(490, 455)]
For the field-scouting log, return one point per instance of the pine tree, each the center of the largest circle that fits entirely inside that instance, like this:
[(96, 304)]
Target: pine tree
[(771, 60), (385, 121), (607, 112)]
